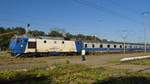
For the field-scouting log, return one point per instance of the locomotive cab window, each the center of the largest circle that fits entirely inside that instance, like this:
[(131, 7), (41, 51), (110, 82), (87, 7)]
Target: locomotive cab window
[(25, 40), (31, 44), (18, 40)]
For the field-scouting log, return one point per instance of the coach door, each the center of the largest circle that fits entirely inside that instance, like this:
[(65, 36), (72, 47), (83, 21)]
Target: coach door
[(32, 46)]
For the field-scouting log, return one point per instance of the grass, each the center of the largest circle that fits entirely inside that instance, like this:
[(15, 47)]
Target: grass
[(67, 73), (74, 74)]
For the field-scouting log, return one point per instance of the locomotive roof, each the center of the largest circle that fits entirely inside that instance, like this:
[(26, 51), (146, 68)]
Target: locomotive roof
[(53, 38)]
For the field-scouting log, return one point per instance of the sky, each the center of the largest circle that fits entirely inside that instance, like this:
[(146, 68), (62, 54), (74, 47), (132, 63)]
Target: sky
[(108, 19)]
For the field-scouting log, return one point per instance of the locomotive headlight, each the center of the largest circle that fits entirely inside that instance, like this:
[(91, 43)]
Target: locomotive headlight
[(21, 46)]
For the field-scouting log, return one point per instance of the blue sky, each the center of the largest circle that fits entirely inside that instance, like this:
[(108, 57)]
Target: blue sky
[(103, 18)]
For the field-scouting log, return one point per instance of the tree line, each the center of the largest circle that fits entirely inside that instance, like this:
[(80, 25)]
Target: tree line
[(7, 33)]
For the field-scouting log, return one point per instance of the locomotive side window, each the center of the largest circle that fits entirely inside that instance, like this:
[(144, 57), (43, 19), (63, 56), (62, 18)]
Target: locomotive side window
[(101, 46), (31, 44), (85, 45), (63, 42), (115, 46), (44, 41), (108, 46), (93, 46)]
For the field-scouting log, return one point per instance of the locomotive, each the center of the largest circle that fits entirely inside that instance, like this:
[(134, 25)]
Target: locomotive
[(42, 46)]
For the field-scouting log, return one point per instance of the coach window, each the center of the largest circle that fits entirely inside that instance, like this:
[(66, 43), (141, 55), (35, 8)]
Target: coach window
[(63, 42), (130, 46), (125, 46), (85, 45), (93, 45), (115, 46), (108, 46), (44, 41), (32, 45), (101, 46), (120, 46)]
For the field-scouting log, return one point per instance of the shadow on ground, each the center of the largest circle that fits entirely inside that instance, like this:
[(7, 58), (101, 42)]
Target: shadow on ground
[(34, 80), (124, 80)]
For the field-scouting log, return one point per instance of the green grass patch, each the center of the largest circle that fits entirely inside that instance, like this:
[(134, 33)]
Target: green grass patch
[(38, 76)]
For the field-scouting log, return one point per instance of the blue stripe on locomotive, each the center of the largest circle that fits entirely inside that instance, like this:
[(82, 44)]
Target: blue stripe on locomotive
[(18, 45)]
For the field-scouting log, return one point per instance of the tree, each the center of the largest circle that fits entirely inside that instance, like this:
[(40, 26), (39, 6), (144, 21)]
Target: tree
[(55, 34), (2, 30), (69, 36), (36, 33), (7, 33), (19, 30)]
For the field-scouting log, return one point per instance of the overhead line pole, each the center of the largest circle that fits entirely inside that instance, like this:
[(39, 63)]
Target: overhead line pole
[(145, 29), (145, 49), (124, 36)]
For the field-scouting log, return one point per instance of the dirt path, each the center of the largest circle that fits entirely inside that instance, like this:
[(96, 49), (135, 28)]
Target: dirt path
[(104, 61), (109, 61)]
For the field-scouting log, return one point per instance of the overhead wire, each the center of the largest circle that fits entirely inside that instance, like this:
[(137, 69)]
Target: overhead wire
[(122, 7), (104, 9)]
